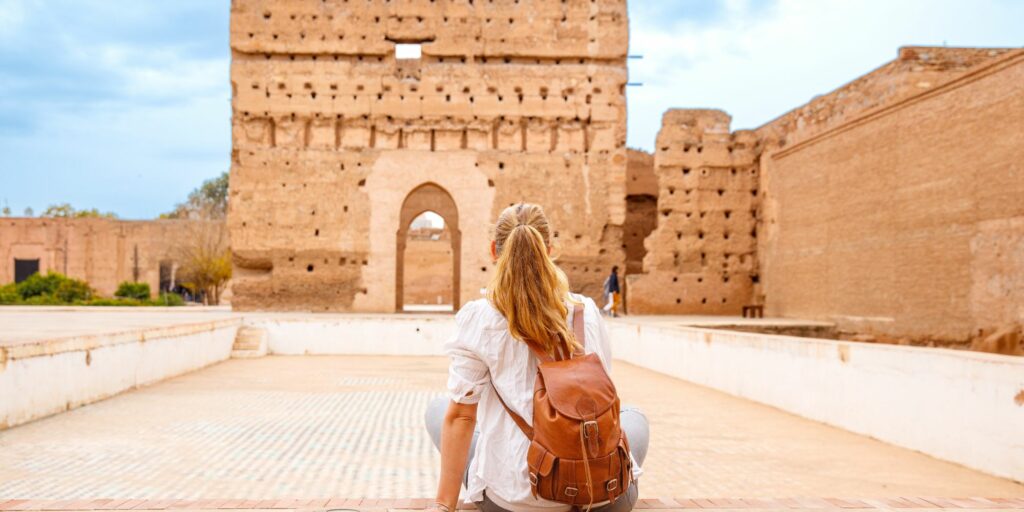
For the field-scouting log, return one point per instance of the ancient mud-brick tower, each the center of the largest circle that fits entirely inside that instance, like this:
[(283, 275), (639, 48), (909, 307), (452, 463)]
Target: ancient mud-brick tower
[(701, 258), (338, 144)]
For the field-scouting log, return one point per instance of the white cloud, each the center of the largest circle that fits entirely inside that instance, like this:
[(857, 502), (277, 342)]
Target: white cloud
[(757, 64)]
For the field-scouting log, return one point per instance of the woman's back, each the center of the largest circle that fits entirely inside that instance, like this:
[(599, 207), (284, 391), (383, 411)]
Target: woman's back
[(482, 351), (481, 445)]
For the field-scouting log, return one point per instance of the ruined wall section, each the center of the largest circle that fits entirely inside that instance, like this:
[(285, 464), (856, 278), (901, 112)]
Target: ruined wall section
[(103, 252), (701, 257), (533, 90)]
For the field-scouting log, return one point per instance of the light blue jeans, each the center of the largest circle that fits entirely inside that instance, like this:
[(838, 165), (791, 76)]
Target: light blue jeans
[(631, 420)]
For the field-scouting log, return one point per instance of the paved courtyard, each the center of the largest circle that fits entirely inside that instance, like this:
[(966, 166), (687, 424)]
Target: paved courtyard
[(327, 426)]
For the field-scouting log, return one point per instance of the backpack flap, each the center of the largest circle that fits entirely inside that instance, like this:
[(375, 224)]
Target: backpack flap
[(578, 388)]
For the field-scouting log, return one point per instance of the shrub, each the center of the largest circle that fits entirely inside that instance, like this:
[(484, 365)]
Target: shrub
[(71, 290), (36, 285), (53, 288), (168, 299), (42, 300), (130, 290), (9, 294)]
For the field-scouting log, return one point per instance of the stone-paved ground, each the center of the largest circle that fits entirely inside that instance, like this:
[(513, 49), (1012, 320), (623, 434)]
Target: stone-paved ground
[(303, 427)]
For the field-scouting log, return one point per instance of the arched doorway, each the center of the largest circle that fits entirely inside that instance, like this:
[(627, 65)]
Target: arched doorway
[(428, 197)]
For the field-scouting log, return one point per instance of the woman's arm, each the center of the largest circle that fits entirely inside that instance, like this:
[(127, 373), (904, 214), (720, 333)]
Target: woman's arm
[(456, 436)]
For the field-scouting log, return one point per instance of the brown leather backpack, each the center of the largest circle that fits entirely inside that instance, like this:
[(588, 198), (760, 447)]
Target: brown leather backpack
[(578, 454)]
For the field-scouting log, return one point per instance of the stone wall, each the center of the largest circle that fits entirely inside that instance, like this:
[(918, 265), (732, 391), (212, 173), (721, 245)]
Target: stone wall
[(904, 222), (332, 133), (428, 272), (103, 252), (701, 257)]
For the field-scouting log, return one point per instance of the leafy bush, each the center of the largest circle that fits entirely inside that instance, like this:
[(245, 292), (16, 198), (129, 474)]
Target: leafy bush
[(37, 284), (71, 290), (43, 300), (9, 294), (168, 299), (130, 290), (55, 289)]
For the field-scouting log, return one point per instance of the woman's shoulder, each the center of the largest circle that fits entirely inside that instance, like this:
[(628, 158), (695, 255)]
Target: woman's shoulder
[(479, 312), (587, 302)]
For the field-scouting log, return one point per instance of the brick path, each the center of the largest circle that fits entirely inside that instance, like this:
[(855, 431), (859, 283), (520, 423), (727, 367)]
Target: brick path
[(267, 431)]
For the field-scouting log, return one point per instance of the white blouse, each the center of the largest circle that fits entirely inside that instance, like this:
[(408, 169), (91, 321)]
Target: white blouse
[(483, 349)]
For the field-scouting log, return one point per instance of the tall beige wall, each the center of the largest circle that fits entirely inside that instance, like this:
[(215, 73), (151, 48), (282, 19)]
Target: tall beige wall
[(907, 220), (103, 252), (511, 101)]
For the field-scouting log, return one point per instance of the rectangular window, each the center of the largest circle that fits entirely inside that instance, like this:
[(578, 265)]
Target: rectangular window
[(408, 51), (25, 268)]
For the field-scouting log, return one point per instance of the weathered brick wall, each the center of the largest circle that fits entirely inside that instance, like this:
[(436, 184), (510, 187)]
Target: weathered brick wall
[(511, 101), (103, 252), (907, 222), (701, 257)]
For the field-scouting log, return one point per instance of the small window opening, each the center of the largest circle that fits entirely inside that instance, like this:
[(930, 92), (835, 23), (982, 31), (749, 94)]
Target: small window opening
[(408, 51)]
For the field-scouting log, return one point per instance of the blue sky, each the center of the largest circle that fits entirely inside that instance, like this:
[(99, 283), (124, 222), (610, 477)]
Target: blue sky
[(124, 105)]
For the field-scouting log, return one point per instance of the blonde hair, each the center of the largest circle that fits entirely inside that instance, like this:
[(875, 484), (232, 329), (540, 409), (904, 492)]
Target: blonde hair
[(528, 288)]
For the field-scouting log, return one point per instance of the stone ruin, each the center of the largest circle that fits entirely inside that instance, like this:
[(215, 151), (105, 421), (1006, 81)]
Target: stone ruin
[(340, 140), (701, 258), (338, 143)]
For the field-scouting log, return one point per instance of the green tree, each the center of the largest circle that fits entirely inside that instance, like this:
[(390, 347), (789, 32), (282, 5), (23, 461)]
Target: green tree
[(29, 212), (208, 201), (66, 211), (6, 211)]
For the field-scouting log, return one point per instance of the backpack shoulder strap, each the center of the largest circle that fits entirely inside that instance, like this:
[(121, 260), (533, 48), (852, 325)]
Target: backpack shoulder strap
[(519, 421), (577, 329)]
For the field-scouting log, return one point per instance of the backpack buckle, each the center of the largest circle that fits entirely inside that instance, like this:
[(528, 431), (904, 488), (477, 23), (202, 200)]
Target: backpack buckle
[(589, 426), (612, 485), (533, 478), (571, 492)]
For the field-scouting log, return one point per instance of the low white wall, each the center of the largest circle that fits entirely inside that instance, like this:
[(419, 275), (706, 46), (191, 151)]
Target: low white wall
[(964, 407), (47, 377), (398, 335)]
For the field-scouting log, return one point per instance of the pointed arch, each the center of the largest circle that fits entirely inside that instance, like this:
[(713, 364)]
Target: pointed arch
[(426, 197)]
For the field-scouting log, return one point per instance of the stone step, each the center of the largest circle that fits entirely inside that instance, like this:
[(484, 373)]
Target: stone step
[(249, 342)]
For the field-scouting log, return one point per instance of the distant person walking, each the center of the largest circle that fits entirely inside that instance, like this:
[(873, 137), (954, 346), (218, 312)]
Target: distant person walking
[(612, 292)]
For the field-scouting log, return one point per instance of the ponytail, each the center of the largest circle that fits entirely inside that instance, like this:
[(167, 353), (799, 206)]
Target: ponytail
[(528, 288)]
